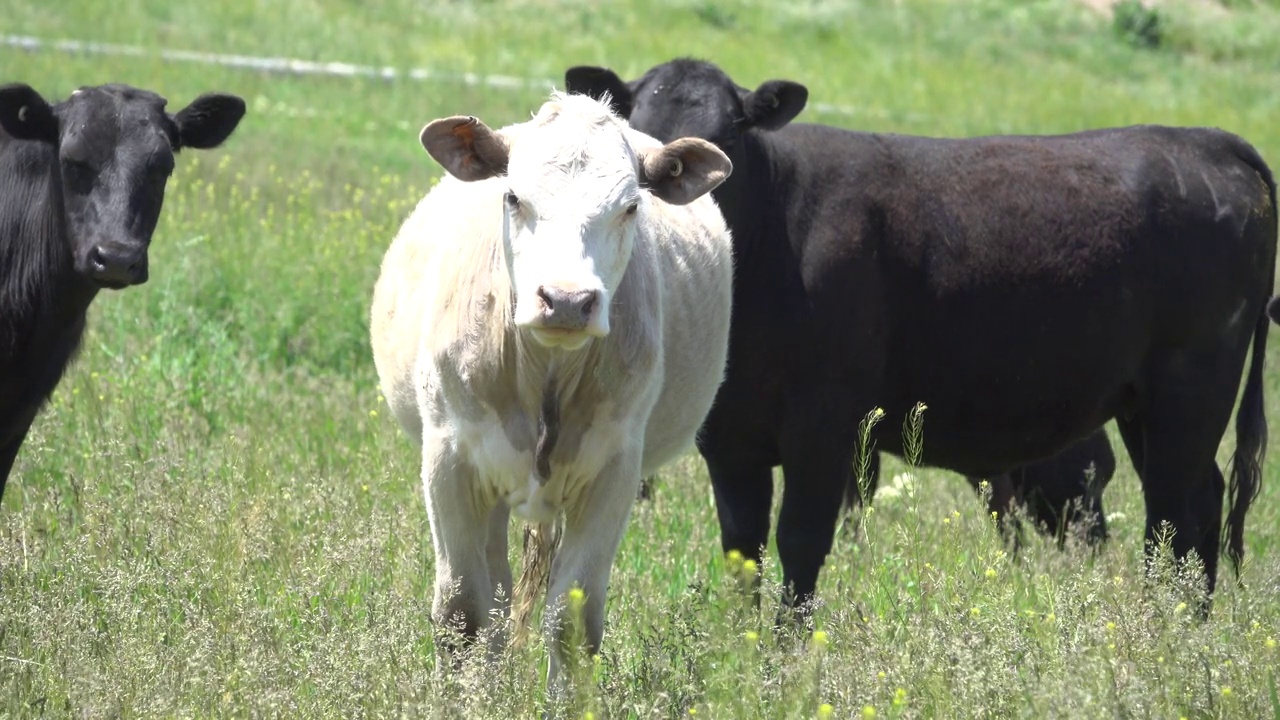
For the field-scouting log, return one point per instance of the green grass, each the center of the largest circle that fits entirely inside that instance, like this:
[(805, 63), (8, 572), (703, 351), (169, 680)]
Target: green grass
[(215, 516)]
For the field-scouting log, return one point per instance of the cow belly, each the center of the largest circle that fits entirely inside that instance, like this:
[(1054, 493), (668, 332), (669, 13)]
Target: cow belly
[(979, 430)]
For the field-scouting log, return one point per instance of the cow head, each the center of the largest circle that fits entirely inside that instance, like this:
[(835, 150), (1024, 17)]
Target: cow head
[(692, 98), (115, 147), (578, 184)]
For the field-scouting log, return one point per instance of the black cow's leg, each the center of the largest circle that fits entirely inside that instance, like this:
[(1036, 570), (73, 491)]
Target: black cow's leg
[(817, 462), (9, 453), (744, 495), (1180, 426), (1003, 492)]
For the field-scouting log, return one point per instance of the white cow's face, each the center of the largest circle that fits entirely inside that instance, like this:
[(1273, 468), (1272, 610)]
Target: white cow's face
[(572, 209), (579, 187)]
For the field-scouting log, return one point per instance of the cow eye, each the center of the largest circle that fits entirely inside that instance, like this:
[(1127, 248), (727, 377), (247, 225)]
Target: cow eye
[(631, 209), (512, 200), (77, 173)]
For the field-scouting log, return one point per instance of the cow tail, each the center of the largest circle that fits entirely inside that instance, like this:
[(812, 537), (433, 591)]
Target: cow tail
[(540, 541), (1251, 422)]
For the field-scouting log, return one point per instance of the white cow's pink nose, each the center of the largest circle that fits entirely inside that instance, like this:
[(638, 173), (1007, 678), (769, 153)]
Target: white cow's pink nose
[(566, 309)]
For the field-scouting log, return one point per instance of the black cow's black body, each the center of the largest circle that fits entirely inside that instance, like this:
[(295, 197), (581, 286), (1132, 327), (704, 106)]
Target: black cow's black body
[(1028, 289), (81, 185)]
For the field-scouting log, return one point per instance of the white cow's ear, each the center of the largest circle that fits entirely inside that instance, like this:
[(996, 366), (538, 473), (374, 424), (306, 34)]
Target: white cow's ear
[(466, 147), (683, 170)]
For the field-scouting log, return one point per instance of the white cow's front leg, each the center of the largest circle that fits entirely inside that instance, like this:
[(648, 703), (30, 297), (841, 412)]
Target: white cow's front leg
[(496, 552), (593, 530), (459, 534)]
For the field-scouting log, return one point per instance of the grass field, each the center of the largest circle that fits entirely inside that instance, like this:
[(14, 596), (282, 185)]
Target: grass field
[(216, 517)]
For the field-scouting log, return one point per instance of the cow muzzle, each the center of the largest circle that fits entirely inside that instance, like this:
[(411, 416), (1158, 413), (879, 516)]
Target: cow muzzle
[(567, 318), (115, 266)]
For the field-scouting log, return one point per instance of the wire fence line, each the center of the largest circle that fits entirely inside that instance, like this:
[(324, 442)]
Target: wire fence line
[(297, 66)]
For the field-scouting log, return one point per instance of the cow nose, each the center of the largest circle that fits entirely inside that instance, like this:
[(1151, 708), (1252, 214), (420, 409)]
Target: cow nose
[(567, 309), (115, 266)]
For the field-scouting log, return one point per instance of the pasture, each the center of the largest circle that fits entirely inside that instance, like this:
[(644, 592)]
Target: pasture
[(216, 516)]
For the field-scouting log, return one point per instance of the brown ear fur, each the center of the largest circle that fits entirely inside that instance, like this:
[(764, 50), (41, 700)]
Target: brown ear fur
[(467, 148), (683, 170)]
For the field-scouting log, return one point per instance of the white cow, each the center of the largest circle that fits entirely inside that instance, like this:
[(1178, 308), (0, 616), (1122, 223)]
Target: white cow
[(551, 323)]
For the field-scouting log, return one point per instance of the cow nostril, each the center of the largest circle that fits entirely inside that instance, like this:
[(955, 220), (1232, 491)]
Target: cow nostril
[(590, 304), (545, 297), (96, 257)]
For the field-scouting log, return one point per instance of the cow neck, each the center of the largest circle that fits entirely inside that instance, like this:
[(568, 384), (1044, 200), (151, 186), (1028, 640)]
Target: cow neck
[(40, 290), (542, 371), (546, 383), (753, 204)]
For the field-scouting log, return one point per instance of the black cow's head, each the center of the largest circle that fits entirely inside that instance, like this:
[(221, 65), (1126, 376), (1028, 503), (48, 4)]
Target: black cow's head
[(693, 98), (115, 146)]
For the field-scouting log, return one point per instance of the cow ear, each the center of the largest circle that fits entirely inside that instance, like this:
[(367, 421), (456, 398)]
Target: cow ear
[(466, 147), (683, 170), (208, 120), (597, 82), (774, 104), (25, 115)]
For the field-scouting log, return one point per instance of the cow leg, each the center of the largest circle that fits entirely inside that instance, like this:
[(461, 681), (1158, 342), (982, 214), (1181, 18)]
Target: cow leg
[(9, 450), (496, 555), (743, 488), (1178, 432), (1001, 497), (8, 454), (459, 531), (817, 462), (593, 529)]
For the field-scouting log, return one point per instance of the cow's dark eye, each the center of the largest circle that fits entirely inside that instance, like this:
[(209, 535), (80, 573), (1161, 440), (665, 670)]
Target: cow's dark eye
[(512, 200), (77, 174), (631, 209)]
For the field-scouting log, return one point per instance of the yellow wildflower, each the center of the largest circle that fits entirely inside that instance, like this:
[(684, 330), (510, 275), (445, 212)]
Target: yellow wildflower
[(820, 639)]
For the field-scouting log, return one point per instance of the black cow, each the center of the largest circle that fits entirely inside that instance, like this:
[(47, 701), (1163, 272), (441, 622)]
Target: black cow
[(1028, 289), (81, 184)]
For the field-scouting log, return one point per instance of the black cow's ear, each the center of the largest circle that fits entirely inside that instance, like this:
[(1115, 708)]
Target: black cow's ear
[(25, 115), (208, 120), (774, 104), (596, 81)]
